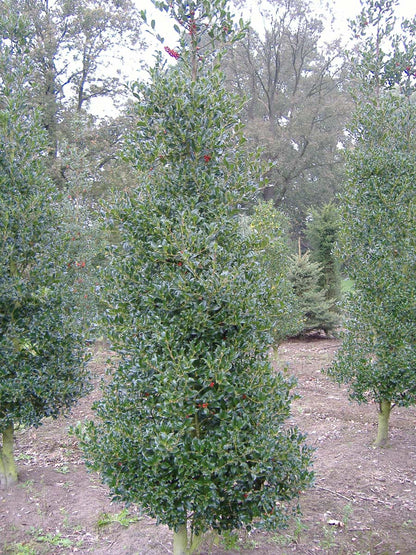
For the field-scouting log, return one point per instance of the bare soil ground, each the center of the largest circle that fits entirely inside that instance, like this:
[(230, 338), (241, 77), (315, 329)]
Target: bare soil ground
[(363, 501)]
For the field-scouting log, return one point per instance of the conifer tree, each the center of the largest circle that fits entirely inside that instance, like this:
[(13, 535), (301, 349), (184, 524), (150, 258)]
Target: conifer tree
[(317, 310), (192, 425), (321, 231)]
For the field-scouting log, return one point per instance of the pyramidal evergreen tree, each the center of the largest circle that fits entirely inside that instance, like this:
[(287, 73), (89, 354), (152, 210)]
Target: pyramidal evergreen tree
[(42, 362), (317, 311), (321, 231), (192, 425)]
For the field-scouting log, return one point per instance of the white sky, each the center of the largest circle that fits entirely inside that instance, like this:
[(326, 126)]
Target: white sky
[(348, 9), (345, 9), (342, 10)]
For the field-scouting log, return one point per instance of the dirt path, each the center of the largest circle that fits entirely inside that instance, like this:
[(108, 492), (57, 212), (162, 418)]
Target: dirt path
[(364, 500)]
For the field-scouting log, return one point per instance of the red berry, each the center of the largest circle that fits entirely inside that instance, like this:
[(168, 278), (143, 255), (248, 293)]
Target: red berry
[(172, 53)]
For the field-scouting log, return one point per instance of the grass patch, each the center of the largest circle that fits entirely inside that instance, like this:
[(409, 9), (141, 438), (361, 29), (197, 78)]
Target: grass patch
[(124, 518)]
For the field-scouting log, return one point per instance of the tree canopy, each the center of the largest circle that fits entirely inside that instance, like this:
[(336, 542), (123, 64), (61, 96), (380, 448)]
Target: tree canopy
[(378, 239), (297, 104), (41, 341)]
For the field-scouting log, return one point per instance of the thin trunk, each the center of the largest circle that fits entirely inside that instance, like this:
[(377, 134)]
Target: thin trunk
[(8, 470), (383, 424), (180, 541), (196, 541)]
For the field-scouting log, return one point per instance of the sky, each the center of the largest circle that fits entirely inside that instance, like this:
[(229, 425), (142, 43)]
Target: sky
[(347, 9), (342, 10)]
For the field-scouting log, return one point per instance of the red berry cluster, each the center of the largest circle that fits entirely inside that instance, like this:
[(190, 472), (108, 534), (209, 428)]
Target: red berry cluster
[(172, 53), (207, 158)]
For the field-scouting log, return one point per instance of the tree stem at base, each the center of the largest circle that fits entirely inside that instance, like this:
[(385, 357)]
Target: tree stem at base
[(8, 470), (383, 424), (180, 541)]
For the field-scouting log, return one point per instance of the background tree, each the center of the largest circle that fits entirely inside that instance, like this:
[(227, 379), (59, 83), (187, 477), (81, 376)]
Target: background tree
[(378, 239), (42, 370), (77, 49), (268, 231), (91, 159), (297, 105), (192, 425), (316, 308), (322, 228)]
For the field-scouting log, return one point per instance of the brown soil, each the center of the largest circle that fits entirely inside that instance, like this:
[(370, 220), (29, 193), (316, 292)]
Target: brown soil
[(363, 501)]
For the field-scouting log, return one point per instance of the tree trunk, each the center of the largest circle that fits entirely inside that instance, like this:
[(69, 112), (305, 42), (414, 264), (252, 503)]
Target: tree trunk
[(383, 424), (8, 470), (180, 541)]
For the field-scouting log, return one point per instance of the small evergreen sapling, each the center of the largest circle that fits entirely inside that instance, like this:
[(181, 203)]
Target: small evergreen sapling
[(192, 425), (321, 231), (317, 311)]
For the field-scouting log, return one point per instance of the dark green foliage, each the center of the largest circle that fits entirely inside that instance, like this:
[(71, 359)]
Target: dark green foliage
[(41, 344), (318, 312), (192, 425), (379, 241), (378, 231), (321, 232)]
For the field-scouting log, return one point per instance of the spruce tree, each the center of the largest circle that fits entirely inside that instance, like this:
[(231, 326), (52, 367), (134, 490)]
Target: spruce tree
[(317, 311), (321, 231), (192, 425)]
